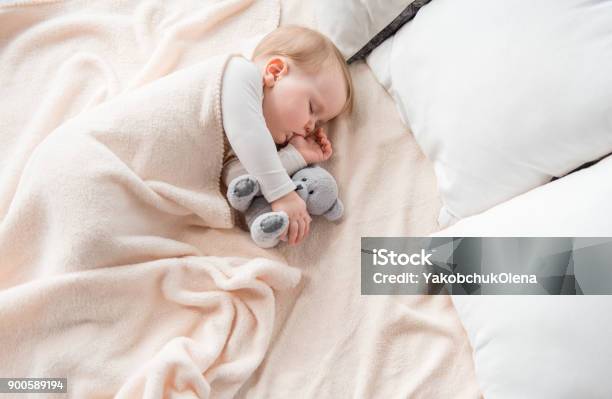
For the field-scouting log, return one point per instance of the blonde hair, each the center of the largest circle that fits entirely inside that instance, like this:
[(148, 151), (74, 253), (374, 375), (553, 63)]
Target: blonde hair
[(308, 49)]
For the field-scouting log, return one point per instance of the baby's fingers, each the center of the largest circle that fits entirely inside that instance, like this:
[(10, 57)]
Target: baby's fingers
[(327, 149), (320, 134), (307, 229), (302, 231), (294, 229)]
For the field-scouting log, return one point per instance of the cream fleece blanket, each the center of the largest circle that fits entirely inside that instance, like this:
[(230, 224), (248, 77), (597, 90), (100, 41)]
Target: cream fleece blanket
[(107, 268), (200, 324)]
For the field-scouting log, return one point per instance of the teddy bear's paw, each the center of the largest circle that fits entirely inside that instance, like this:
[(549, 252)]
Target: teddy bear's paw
[(241, 192), (268, 227)]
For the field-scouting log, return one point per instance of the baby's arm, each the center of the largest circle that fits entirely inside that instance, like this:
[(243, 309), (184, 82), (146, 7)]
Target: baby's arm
[(246, 129), (249, 137), (290, 158)]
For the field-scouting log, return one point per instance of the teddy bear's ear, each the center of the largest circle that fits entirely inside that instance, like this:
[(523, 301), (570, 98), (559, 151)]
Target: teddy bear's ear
[(335, 212)]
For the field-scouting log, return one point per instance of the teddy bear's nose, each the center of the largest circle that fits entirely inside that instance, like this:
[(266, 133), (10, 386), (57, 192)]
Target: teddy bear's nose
[(299, 187)]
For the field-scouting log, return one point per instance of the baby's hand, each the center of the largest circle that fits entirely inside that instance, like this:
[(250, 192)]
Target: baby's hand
[(314, 148), (299, 219)]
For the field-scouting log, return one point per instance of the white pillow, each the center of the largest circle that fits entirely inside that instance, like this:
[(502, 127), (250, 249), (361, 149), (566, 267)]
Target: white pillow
[(504, 95), (540, 347), (379, 62), (544, 347), (350, 24), (579, 204)]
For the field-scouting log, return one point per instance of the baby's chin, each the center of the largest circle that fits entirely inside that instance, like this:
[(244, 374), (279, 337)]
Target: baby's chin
[(281, 139), (282, 145)]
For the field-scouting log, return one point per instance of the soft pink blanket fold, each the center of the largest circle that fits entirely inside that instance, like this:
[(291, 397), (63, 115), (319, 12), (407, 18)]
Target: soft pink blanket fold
[(114, 267), (120, 183), (195, 327)]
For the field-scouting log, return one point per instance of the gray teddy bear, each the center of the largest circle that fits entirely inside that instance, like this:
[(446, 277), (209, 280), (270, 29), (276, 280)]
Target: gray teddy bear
[(314, 185)]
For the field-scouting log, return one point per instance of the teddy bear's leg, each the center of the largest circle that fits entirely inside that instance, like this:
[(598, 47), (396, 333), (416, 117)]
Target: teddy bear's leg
[(266, 226), (241, 192)]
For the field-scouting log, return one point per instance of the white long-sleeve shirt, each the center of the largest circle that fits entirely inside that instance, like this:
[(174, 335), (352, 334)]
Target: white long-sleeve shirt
[(248, 135)]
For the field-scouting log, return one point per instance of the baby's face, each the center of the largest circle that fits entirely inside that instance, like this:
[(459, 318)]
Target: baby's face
[(296, 101)]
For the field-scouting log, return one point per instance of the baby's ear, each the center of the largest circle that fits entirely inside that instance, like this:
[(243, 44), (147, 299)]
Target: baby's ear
[(276, 67)]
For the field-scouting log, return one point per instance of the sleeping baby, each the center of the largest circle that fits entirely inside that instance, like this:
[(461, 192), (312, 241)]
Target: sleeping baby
[(296, 82)]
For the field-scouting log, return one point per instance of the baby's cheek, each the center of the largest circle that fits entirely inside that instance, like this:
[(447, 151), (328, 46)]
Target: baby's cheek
[(296, 114), (301, 110), (293, 106)]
